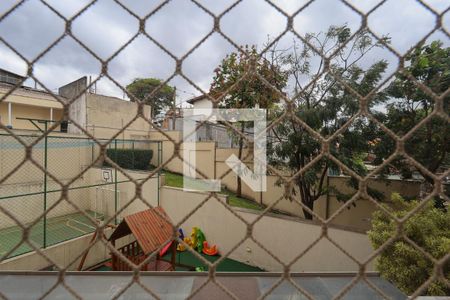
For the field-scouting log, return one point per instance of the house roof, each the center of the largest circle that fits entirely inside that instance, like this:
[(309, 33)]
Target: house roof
[(3, 71), (198, 98), (151, 228)]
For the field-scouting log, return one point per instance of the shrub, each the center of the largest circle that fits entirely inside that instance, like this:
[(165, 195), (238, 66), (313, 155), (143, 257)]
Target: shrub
[(133, 159), (401, 263)]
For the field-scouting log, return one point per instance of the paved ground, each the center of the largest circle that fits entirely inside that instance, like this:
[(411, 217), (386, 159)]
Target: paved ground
[(243, 288)]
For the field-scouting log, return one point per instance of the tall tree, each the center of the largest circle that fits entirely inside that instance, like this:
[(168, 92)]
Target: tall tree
[(162, 97), (325, 105), (249, 92), (407, 104)]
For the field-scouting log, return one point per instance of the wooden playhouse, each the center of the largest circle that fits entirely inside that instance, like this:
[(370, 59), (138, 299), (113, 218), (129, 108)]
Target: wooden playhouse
[(151, 229)]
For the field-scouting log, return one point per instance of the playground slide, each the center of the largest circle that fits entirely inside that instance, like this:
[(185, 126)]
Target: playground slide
[(165, 249)]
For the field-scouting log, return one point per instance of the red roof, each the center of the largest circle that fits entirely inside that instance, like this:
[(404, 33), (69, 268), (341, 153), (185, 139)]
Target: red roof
[(151, 228)]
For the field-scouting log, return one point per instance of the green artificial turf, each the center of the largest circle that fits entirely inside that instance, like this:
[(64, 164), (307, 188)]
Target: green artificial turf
[(227, 265), (58, 229)]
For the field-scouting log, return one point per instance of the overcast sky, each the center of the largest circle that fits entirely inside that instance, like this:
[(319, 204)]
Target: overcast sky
[(180, 25)]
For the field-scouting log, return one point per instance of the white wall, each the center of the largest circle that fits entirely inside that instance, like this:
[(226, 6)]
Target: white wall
[(64, 255), (203, 103), (285, 237)]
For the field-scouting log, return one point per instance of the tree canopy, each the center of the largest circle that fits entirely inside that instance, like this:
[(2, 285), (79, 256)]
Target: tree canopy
[(236, 80), (407, 104), (152, 93), (400, 262), (324, 104)]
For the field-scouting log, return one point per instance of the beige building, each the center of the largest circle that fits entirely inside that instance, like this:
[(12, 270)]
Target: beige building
[(102, 116), (25, 102)]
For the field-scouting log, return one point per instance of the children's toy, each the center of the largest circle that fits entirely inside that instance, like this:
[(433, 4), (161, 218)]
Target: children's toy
[(181, 247), (209, 250), (197, 239), (200, 240), (193, 237), (167, 247)]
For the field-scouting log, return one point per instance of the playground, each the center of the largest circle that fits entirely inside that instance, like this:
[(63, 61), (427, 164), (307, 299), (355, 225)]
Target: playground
[(192, 262), (151, 234)]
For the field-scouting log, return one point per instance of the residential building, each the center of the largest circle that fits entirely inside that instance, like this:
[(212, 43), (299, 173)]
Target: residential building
[(100, 115), (25, 103), (104, 116)]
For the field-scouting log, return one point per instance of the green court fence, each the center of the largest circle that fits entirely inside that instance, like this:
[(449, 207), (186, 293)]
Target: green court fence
[(95, 188)]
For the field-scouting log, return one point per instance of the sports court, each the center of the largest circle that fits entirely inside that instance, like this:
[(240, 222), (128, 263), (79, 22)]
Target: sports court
[(58, 229)]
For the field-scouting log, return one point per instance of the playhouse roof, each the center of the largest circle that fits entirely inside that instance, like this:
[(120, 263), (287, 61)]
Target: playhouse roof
[(151, 228)]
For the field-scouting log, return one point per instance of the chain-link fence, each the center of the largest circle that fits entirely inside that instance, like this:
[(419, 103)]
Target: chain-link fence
[(98, 194), (44, 202)]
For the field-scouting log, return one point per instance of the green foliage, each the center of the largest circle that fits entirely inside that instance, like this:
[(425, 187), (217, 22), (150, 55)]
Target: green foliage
[(325, 105), (251, 90), (151, 90), (400, 262), (407, 104), (236, 80), (132, 159)]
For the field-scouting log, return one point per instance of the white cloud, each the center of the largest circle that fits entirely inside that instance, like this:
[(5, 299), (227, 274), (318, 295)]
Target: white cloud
[(178, 26)]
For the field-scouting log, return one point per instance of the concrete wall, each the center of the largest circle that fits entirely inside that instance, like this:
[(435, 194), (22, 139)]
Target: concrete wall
[(358, 216), (103, 116), (285, 237), (77, 111), (107, 115), (203, 103), (66, 158), (127, 192), (63, 255), (204, 154), (166, 148), (229, 179), (211, 161)]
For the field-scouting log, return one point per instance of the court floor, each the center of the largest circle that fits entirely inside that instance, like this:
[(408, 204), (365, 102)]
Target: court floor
[(59, 229)]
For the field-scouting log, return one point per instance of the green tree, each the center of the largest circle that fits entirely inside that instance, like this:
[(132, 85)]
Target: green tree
[(400, 262), (407, 104), (249, 92), (325, 105), (146, 89)]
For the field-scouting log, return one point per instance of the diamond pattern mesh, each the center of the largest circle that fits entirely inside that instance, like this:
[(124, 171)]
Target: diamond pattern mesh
[(30, 158)]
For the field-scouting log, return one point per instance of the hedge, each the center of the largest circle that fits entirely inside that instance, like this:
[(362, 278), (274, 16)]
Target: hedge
[(136, 159)]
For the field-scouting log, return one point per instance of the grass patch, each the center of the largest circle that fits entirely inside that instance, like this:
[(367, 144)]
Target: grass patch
[(176, 180), (173, 179), (234, 200)]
